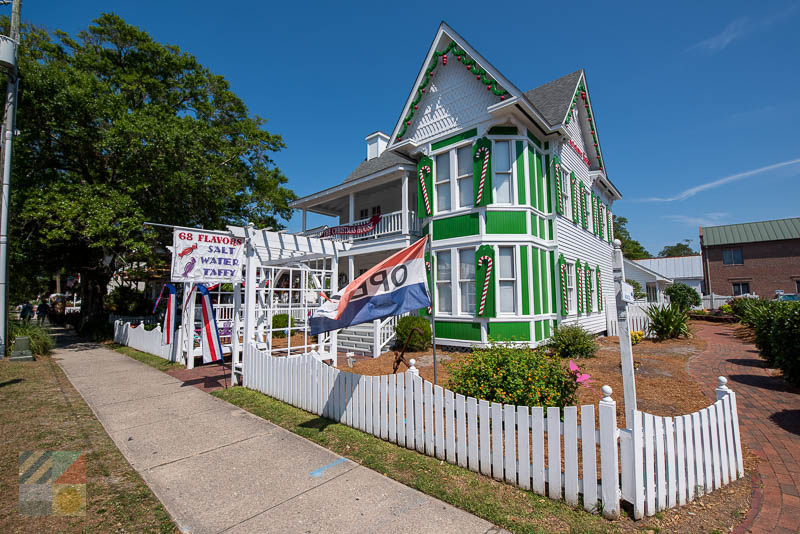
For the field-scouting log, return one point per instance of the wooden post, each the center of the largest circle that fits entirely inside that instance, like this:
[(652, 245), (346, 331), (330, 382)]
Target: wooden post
[(625, 348), (404, 203), (609, 455), (235, 344)]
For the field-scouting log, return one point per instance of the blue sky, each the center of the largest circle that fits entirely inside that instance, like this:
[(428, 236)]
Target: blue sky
[(696, 102)]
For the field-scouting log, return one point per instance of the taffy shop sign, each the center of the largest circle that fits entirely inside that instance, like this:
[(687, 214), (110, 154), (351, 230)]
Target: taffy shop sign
[(203, 256)]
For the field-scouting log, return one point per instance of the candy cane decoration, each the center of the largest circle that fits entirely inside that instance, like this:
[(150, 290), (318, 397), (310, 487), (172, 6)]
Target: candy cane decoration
[(428, 268), (599, 291), (422, 170), (578, 282), (485, 150), (558, 186), (485, 281), (564, 301)]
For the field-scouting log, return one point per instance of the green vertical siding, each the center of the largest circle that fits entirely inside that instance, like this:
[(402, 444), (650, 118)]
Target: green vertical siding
[(522, 176), (532, 175), (543, 281), (553, 292), (538, 331), (455, 330), (510, 331), (548, 208), (459, 226), (534, 225), (526, 298), (455, 139), (537, 281), (540, 183), (542, 232), (546, 329), (534, 139), (505, 222)]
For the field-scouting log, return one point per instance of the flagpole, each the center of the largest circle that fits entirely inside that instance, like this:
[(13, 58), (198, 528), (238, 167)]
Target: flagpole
[(433, 310)]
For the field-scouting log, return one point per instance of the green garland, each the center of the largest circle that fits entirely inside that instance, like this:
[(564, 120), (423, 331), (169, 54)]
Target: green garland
[(473, 67), (581, 90)]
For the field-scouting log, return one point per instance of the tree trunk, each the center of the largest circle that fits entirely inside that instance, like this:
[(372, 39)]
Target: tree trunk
[(94, 286)]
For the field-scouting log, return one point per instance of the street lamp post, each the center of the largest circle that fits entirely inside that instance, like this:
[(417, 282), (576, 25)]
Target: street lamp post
[(10, 112)]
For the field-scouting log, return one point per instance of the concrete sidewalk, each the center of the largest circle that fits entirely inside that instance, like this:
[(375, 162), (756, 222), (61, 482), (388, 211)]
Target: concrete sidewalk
[(218, 468)]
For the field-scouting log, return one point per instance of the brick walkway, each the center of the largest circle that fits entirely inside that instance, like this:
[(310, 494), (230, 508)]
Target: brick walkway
[(769, 416)]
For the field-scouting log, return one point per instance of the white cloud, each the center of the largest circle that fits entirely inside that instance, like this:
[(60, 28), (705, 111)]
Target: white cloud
[(707, 219), (692, 191), (732, 31)]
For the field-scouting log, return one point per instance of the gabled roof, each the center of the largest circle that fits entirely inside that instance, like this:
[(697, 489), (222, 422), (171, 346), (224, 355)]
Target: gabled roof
[(386, 160), (675, 267), (730, 234), (553, 98), (635, 265)]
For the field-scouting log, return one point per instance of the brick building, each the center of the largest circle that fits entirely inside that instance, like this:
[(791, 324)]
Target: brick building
[(752, 258)]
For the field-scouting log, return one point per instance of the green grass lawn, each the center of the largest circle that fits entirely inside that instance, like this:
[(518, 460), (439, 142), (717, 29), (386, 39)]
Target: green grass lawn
[(153, 361), (504, 505), (41, 411)]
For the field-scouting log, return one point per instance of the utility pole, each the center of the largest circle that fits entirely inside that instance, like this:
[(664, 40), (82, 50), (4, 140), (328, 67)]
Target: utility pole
[(9, 119)]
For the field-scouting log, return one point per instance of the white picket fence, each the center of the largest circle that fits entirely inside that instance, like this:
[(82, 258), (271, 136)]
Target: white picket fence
[(636, 321), (134, 319), (553, 452), (141, 339)]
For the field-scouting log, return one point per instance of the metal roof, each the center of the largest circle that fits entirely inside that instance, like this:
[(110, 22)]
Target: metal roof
[(675, 268), (751, 232), (634, 265)]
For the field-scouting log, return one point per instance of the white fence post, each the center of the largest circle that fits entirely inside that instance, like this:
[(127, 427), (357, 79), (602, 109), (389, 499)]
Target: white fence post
[(609, 455)]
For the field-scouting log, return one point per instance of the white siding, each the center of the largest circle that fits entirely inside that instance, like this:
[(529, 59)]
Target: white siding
[(453, 100)]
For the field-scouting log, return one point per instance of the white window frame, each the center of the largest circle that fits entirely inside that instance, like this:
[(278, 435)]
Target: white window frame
[(512, 279), (572, 298), (509, 172), (467, 177), (440, 283), (437, 182), (589, 211), (461, 281), (455, 179), (566, 192), (734, 284)]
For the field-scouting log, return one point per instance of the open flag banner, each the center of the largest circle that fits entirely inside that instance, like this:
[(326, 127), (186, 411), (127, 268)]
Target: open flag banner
[(209, 337), (168, 329), (396, 285)]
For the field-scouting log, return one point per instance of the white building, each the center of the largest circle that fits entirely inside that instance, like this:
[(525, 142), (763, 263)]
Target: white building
[(497, 176), (684, 269)]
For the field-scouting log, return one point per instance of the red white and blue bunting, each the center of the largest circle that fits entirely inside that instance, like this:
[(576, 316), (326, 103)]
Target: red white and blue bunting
[(209, 337)]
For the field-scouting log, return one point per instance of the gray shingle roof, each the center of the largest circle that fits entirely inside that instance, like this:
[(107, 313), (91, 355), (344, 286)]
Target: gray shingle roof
[(752, 232), (388, 159), (553, 98)]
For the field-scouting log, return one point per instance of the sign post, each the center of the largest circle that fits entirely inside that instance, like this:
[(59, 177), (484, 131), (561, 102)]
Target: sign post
[(624, 296)]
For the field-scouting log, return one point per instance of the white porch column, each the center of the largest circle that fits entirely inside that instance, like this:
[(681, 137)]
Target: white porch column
[(351, 269), (352, 208), (404, 193), (305, 220), (236, 358)]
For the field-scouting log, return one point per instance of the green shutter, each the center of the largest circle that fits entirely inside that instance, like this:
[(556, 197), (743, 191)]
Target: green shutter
[(526, 299), (532, 176), (599, 289), (481, 270), (576, 216), (588, 281), (579, 285), (601, 218), (557, 171), (425, 180), (562, 269), (584, 214), (431, 288), (552, 282), (480, 152), (610, 226), (595, 218)]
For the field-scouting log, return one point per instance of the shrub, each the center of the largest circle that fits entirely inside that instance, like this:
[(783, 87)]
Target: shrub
[(149, 327), (124, 300), (513, 375), (776, 326), (742, 307), (683, 296), (638, 294), (404, 327), (636, 336), (572, 342), (280, 322), (699, 312), (667, 322), (41, 341), (726, 309)]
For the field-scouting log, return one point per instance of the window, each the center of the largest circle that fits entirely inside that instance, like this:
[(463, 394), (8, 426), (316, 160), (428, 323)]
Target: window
[(363, 214), (443, 182), (376, 210), (466, 197), (566, 193), (652, 292), (589, 218), (444, 286), (741, 288), (732, 256), (502, 172), (466, 279), (572, 301), (797, 289), (508, 294)]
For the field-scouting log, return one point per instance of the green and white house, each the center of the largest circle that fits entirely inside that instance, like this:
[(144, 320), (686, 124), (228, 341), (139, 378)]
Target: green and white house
[(512, 187)]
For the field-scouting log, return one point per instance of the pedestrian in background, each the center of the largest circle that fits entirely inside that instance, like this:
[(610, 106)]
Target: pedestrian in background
[(41, 312)]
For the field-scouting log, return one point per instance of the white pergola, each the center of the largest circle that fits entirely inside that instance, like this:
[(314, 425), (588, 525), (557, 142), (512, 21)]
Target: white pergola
[(284, 274)]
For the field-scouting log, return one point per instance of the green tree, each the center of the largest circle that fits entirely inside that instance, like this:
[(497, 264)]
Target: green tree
[(682, 296), (678, 249), (118, 129), (631, 249), (638, 293)]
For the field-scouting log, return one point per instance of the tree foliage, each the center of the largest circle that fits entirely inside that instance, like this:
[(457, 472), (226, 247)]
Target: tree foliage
[(631, 249), (118, 129), (678, 249), (683, 296)]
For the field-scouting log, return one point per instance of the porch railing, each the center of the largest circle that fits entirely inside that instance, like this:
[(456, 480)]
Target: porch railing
[(390, 223)]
